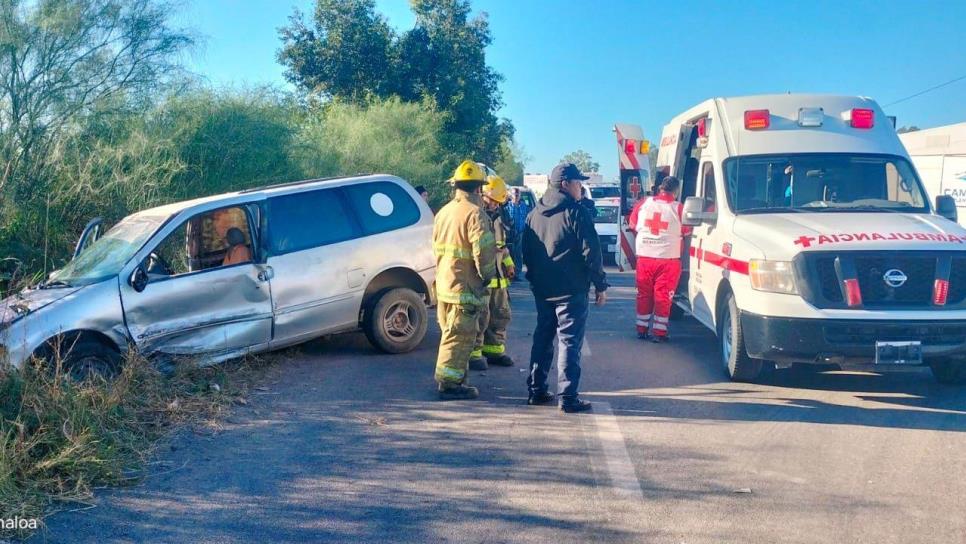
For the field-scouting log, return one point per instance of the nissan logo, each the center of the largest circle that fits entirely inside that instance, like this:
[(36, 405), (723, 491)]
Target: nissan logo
[(894, 278)]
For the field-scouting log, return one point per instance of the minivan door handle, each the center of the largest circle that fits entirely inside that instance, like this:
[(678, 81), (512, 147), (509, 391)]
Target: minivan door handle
[(266, 273), (356, 277)]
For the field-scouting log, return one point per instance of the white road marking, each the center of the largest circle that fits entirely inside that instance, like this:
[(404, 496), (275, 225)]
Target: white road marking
[(622, 476), (585, 351)]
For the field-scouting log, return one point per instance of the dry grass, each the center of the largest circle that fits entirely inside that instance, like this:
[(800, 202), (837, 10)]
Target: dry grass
[(59, 439)]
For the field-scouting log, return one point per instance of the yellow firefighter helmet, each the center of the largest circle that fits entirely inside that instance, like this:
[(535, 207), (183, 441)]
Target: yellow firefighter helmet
[(495, 189), (468, 172)]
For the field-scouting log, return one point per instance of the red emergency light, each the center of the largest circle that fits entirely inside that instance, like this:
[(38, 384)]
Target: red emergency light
[(757, 119), (940, 292), (853, 295), (862, 118), (702, 127), (630, 146)]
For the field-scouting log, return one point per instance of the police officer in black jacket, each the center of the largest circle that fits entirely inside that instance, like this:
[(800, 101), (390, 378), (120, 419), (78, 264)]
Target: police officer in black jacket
[(562, 253)]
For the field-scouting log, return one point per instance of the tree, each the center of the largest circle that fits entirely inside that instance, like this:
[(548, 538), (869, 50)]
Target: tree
[(346, 54), (583, 160), (512, 163), (351, 54), (64, 60)]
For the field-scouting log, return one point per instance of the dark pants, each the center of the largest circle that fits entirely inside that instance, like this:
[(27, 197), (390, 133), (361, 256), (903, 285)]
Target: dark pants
[(516, 253), (566, 321)]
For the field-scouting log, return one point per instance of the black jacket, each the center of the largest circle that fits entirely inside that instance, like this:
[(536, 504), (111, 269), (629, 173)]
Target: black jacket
[(561, 249)]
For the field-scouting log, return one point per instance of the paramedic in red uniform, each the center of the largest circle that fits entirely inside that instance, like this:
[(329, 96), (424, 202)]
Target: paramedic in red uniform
[(656, 222)]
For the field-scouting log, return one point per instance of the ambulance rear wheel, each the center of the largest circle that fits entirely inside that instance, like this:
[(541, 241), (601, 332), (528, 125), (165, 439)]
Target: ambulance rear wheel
[(949, 371), (734, 358)]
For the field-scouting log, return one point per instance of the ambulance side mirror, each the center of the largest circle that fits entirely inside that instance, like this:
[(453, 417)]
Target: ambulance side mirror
[(694, 214), (946, 207)]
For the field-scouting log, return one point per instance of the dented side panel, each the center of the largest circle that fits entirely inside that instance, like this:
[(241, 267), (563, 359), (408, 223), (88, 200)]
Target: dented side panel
[(208, 312)]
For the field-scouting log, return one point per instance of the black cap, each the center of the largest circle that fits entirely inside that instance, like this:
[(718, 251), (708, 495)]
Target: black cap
[(566, 171)]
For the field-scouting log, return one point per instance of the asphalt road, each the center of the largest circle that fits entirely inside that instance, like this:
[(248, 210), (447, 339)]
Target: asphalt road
[(350, 446)]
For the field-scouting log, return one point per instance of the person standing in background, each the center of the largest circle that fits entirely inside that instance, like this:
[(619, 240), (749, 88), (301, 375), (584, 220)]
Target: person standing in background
[(518, 210)]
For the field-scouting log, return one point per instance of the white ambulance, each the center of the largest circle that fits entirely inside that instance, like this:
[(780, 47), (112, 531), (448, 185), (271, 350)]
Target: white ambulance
[(813, 239)]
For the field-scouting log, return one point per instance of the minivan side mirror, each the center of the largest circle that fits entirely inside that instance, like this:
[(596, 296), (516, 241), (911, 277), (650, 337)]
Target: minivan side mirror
[(139, 279), (946, 207), (694, 214)]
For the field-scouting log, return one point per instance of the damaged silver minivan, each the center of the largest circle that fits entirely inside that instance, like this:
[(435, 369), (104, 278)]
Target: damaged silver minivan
[(245, 272)]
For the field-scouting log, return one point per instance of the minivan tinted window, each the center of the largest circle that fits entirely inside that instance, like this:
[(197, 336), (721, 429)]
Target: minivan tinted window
[(304, 220), (382, 206)]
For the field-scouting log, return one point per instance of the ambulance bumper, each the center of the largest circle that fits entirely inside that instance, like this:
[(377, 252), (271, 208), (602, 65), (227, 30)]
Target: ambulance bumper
[(846, 341)]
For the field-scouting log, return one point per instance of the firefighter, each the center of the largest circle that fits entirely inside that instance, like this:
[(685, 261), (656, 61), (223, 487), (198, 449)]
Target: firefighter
[(495, 317), (465, 263), (656, 222)]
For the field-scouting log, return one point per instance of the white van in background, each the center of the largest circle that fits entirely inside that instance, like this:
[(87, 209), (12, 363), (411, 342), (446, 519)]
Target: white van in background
[(813, 238), (939, 155), (607, 224)]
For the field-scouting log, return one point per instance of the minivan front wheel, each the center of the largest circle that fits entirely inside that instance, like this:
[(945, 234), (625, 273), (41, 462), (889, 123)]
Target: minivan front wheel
[(83, 358), (734, 358), (396, 321)]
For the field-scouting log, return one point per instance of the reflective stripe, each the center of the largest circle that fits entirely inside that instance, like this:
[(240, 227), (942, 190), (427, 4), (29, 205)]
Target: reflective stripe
[(458, 298), (490, 349), (476, 354), (660, 319), (648, 316), (508, 261), (660, 327), (641, 323), (452, 373), (454, 251), (499, 283)]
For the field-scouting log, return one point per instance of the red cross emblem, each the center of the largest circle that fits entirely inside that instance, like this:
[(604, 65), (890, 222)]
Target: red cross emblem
[(656, 225), (805, 241), (635, 187)]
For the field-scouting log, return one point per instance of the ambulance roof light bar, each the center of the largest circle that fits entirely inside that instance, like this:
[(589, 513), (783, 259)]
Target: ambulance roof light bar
[(757, 119)]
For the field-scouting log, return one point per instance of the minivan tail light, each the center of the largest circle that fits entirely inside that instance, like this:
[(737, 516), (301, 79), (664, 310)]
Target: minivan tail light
[(940, 292), (853, 295), (757, 119), (862, 118)]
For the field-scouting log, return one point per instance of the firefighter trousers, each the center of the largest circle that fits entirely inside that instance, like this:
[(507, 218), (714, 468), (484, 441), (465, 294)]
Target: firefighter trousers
[(657, 280), (494, 320), (458, 326)]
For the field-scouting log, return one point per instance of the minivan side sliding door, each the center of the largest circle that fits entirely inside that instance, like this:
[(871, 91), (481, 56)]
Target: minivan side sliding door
[(312, 244)]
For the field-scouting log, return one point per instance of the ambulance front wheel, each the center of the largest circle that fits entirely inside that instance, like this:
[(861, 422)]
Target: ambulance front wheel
[(734, 358)]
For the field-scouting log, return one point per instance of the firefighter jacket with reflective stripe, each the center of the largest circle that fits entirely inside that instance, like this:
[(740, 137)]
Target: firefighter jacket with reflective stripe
[(657, 222), (465, 251), (501, 233)]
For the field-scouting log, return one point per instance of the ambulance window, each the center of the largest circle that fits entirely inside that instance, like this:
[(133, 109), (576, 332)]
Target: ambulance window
[(898, 187), (707, 187)]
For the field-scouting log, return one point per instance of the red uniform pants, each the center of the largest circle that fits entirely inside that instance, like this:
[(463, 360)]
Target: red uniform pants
[(657, 280)]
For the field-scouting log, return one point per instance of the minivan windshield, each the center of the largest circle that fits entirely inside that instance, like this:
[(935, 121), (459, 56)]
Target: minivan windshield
[(105, 257), (823, 182)]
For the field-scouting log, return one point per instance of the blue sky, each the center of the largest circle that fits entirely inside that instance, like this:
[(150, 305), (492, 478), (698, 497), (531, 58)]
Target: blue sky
[(574, 68)]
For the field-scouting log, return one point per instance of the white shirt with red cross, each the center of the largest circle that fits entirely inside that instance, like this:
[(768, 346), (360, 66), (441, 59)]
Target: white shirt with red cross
[(657, 222)]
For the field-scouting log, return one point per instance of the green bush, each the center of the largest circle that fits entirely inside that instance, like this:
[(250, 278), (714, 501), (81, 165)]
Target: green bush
[(385, 136)]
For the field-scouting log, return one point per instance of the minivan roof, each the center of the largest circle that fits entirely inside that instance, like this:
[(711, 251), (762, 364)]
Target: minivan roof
[(259, 193)]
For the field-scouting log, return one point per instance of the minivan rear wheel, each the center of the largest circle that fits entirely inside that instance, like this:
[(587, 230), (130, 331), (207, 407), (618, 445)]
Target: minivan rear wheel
[(734, 358), (396, 321)]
